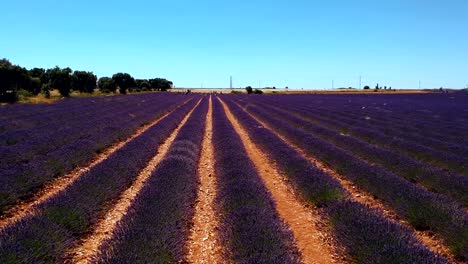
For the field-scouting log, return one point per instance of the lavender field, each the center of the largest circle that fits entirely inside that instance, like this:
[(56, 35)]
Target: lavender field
[(217, 178)]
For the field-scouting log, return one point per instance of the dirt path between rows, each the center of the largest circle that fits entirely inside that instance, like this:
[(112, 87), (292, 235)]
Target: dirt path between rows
[(435, 244), (103, 230), (203, 244), (305, 224), (26, 208)]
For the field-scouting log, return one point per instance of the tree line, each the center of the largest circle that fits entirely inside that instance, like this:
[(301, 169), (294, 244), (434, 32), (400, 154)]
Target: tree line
[(377, 87), (16, 80)]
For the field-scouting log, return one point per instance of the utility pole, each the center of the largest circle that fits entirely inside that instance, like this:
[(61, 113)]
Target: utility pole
[(360, 81), (333, 84), (230, 79), (419, 84)]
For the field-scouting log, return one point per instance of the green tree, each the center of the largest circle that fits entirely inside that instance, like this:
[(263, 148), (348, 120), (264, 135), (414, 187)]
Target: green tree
[(249, 89), (37, 72), (107, 85), (38, 78), (366, 87), (60, 79), (124, 81), (14, 78), (35, 86), (83, 81), (160, 84), (143, 85), (8, 89)]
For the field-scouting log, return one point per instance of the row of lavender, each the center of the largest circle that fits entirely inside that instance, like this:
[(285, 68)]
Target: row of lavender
[(49, 130), (420, 110), (448, 110), (157, 226), (397, 125), (55, 148), (20, 117), (423, 209), (59, 130), (366, 234), (399, 122), (59, 223), (394, 114), (250, 228), (447, 156), (431, 177)]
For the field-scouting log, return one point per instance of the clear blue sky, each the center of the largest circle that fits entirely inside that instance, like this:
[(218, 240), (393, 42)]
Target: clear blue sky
[(278, 43)]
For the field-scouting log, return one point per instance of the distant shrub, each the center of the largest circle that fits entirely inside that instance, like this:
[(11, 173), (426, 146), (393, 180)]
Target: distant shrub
[(23, 94), (35, 86), (249, 89), (46, 90), (366, 87), (258, 91)]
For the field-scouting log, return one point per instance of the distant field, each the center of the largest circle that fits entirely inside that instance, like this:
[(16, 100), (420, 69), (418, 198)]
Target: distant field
[(222, 178)]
